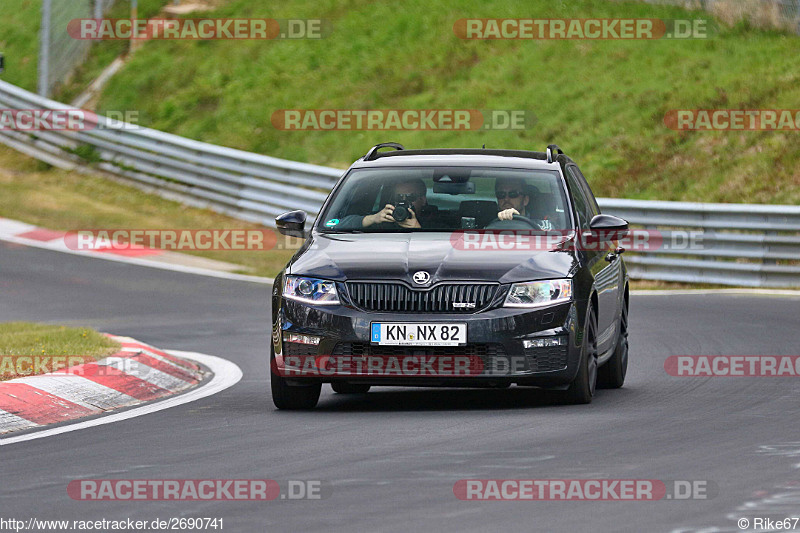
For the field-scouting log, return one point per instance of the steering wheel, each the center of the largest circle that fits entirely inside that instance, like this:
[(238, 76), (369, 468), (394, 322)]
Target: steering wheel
[(516, 222)]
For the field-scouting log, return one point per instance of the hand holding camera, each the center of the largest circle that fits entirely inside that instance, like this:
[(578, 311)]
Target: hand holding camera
[(402, 214), (402, 210)]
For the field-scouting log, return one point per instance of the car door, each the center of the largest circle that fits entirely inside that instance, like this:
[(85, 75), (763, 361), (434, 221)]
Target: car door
[(607, 274)]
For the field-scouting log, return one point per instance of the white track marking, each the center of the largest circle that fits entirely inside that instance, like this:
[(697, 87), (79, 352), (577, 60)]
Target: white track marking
[(80, 390), (226, 374), (717, 292), (11, 422), (145, 372), (161, 358)]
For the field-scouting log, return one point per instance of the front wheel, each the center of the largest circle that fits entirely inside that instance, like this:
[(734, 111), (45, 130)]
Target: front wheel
[(292, 397), (582, 388)]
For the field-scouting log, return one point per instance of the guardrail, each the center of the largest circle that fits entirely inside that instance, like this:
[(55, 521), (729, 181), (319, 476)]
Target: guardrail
[(752, 245), (729, 244), (241, 184)]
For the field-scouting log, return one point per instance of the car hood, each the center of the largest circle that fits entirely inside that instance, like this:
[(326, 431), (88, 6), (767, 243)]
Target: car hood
[(397, 256)]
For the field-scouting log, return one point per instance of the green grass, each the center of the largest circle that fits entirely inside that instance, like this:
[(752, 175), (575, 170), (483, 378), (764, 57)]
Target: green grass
[(602, 101), (19, 42), (104, 52), (43, 340)]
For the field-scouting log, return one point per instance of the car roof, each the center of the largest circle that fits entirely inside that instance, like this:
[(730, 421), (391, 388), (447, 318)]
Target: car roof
[(462, 157)]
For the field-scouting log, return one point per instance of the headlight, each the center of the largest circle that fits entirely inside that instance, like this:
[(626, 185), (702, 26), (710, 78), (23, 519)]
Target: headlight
[(310, 290), (539, 293)]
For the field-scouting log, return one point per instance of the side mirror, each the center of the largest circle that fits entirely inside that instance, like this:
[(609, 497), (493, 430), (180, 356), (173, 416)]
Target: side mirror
[(292, 224), (608, 227)]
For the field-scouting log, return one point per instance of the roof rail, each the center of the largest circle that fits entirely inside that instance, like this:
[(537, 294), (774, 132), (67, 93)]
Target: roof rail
[(553, 148), (466, 151), (373, 152)]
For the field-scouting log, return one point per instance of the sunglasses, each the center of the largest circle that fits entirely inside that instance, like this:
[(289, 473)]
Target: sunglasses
[(501, 195), (410, 197)]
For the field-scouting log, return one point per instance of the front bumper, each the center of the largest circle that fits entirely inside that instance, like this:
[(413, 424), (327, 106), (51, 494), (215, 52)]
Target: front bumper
[(494, 346)]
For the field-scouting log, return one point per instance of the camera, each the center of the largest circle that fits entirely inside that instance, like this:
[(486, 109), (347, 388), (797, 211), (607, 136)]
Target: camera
[(402, 207)]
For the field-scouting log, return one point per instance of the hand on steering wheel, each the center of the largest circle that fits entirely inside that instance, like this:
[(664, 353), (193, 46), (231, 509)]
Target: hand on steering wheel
[(499, 223)]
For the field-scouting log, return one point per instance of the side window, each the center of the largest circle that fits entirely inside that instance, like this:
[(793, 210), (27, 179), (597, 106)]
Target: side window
[(579, 198), (587, 191)]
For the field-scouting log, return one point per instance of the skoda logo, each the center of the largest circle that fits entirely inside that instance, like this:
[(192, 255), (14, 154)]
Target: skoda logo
[(421, 277)]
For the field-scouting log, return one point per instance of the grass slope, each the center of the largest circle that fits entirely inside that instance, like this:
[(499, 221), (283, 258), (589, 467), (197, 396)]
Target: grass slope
[(602, 101), (19, 42)]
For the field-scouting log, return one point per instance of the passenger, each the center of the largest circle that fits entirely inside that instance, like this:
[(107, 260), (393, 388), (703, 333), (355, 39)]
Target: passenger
[(412, 191)]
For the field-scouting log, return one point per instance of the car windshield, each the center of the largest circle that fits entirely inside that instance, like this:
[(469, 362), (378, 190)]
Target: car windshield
[(445, 199)]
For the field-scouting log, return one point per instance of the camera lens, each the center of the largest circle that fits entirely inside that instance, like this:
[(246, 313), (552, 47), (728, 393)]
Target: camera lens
[(400, 213)]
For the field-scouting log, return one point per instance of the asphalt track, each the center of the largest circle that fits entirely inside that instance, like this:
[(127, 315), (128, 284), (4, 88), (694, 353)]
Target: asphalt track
[(389, 459)]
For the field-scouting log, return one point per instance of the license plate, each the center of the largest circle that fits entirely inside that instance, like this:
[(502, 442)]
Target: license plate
[(415, 334)]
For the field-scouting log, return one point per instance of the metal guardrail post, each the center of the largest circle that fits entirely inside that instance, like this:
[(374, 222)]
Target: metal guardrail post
[(44, 49)]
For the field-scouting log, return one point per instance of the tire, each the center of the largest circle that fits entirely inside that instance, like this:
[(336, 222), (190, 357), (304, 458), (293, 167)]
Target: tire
[(582, 388), (292, 397), (349, 388), (612, 374)]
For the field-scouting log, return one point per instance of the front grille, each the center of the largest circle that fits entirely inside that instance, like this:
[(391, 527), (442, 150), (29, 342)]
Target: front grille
[(493, 358), (483, 358), (396, 297), (546, 359)]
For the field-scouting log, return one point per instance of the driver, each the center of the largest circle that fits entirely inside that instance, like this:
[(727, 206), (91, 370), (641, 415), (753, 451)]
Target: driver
[(512, 198), (415, 192)]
